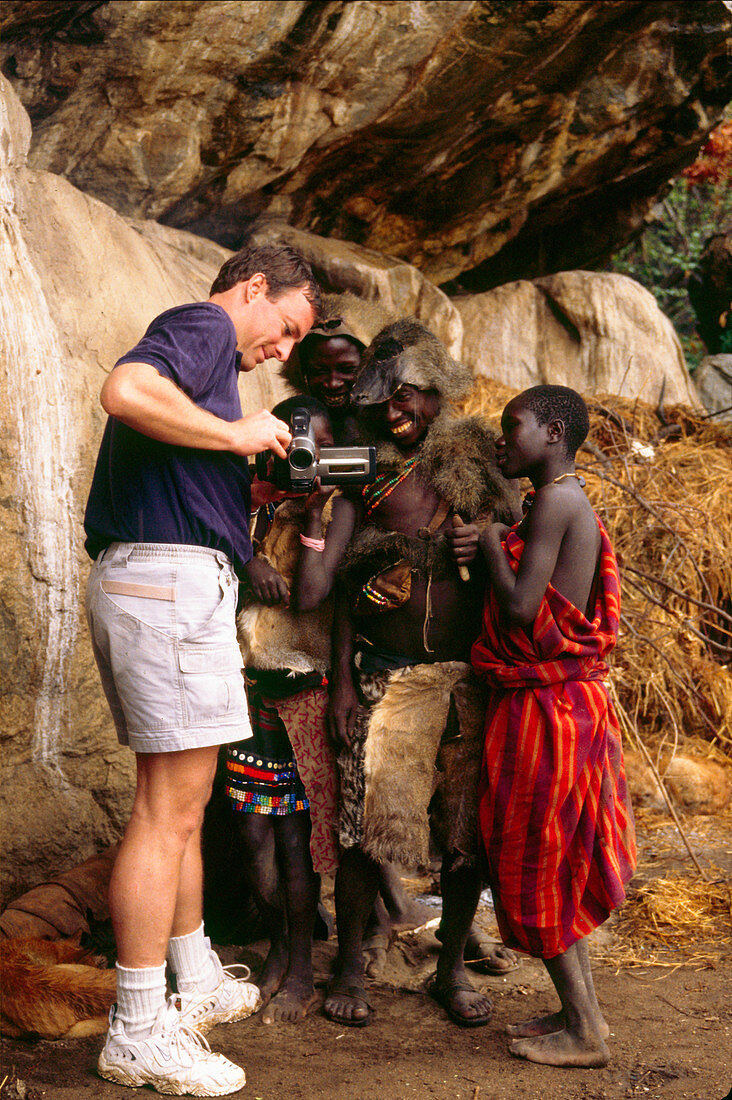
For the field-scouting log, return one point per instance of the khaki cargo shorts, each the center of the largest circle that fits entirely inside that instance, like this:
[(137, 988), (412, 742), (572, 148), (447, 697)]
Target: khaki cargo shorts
[(163, 630)]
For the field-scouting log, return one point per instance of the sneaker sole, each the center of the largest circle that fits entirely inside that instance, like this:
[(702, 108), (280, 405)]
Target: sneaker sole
[(216, 1018), (120, 1076)]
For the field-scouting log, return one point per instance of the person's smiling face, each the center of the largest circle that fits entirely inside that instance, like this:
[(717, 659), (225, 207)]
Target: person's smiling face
[(269, 329), (332, 365), (408, 413)]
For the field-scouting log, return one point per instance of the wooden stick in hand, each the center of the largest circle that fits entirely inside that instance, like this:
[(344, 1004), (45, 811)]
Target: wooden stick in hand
[(462, 569)]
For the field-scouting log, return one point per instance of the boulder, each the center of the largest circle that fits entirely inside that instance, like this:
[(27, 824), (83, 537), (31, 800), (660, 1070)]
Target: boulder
[(713, 380), (400, 287), (696, 785), (595, 332), (479, 141)]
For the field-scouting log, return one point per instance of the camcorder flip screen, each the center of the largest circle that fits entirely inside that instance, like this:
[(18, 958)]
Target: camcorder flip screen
[(333, 465)]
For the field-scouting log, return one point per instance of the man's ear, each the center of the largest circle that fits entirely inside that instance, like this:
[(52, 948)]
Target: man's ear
[(255, 286), (555, 431)]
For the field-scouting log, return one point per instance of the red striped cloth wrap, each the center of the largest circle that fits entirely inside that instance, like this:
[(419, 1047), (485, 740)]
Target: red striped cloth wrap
[(554, 810)]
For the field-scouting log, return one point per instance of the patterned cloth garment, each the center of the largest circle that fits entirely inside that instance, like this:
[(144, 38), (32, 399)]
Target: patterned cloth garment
[(555, 815)]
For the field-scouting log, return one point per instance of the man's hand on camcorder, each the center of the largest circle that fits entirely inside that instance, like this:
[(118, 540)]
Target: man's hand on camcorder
[(260, 431)]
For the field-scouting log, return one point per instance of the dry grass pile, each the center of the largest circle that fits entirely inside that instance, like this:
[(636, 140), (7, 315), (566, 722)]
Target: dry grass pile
[(662, 489), (675, 912)]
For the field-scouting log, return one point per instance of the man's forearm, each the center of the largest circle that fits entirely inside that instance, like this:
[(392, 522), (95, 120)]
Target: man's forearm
[(144, 400)]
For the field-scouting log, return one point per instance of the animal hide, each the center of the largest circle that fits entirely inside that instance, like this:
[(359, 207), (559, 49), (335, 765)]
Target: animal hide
[(63, 907), (406, 351), (424, 739), (275, 637), (54, 990)]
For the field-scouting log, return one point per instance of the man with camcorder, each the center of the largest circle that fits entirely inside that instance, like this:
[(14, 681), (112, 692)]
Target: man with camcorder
[(167, 525)]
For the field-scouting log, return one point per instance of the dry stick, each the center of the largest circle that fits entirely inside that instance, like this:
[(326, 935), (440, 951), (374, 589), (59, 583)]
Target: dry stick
[(649, 508), (664, 792), (688, 688), (684, 622)]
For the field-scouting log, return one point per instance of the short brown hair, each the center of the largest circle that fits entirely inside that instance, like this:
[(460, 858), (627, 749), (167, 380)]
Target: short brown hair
[(283, 267)]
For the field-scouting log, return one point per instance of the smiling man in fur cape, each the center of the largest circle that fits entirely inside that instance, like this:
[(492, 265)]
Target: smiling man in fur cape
[(406, 708)]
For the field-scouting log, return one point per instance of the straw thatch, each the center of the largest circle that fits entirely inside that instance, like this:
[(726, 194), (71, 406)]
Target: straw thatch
[(677, 912), (660, 481)]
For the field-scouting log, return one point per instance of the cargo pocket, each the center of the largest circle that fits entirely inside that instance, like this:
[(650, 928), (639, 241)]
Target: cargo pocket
[(212, 683)]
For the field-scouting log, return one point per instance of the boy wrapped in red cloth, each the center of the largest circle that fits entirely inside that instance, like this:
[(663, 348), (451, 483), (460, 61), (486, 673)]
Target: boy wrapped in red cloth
[(555, 816)]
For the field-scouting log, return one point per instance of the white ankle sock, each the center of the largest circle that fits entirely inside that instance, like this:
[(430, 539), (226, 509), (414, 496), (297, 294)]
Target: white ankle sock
[(193, 962), (140, 993)]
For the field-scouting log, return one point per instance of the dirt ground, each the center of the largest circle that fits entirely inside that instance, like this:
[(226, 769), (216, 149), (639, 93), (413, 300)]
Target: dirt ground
[(671, 1024)]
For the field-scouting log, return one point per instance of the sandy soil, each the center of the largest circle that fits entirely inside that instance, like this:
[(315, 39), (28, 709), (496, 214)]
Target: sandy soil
[(671, 1027)]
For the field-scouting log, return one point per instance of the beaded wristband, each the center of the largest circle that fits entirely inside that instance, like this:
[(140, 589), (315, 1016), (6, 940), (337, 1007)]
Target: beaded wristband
[(313, 544)]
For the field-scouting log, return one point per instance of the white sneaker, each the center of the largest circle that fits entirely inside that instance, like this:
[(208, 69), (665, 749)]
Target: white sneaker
[(232, 999), (172, 1058)]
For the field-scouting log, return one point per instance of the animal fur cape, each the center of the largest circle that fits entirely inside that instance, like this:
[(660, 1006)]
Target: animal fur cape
[(458, 459)]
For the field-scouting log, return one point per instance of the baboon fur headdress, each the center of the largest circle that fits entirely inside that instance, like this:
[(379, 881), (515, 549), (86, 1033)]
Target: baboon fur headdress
[(358, 319), (406, 351)]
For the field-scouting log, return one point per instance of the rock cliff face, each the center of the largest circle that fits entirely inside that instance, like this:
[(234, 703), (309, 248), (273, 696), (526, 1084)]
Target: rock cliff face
[(480, 140)]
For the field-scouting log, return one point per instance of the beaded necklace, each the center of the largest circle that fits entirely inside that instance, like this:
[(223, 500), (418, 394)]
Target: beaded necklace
[(384, 484)]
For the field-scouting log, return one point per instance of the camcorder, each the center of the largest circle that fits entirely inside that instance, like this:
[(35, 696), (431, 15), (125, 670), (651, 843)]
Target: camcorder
[(333, 465)]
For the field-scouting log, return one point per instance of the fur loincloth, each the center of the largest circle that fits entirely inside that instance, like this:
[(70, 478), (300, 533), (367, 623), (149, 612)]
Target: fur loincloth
[(414, 762)]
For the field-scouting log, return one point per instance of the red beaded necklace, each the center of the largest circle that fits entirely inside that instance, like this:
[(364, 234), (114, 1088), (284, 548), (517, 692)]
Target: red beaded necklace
[(384, 484)]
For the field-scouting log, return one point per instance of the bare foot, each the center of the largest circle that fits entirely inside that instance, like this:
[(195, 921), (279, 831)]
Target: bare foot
[(272, 972), (291, 1003), (488, 957), (547, 1025), (539, 1025), (375, 948), (562, 1048)]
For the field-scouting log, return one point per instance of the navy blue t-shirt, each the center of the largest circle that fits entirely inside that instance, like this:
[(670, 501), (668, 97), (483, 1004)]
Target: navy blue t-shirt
[(147, 491)]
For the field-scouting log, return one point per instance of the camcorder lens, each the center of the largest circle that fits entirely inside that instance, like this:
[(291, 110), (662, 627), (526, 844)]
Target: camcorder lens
[(301, 458)]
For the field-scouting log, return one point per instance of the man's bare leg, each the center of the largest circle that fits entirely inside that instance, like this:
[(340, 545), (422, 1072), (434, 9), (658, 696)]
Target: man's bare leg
[(451, 985), (356, 887), (580, 1041), (156, 888), (555, 1021), (394, 911)]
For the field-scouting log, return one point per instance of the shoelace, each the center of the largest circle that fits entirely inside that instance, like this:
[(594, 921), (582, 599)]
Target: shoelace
[(183, 1037), (237, 966)]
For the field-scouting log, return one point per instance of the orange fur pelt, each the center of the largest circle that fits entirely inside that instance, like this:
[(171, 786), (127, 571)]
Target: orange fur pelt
[(53, 989)]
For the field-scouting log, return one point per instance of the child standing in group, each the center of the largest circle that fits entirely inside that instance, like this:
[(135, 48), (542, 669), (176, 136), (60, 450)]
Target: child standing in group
[(555, 816), (282, 783)]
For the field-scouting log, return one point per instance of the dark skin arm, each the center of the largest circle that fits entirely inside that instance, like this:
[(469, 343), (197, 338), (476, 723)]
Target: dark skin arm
[(464, 538), (266, 583), (316, 570), (343, 702), (561, 546)]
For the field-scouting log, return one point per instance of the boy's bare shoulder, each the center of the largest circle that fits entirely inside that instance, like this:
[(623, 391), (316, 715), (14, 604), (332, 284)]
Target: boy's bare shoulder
[(565, 503)]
